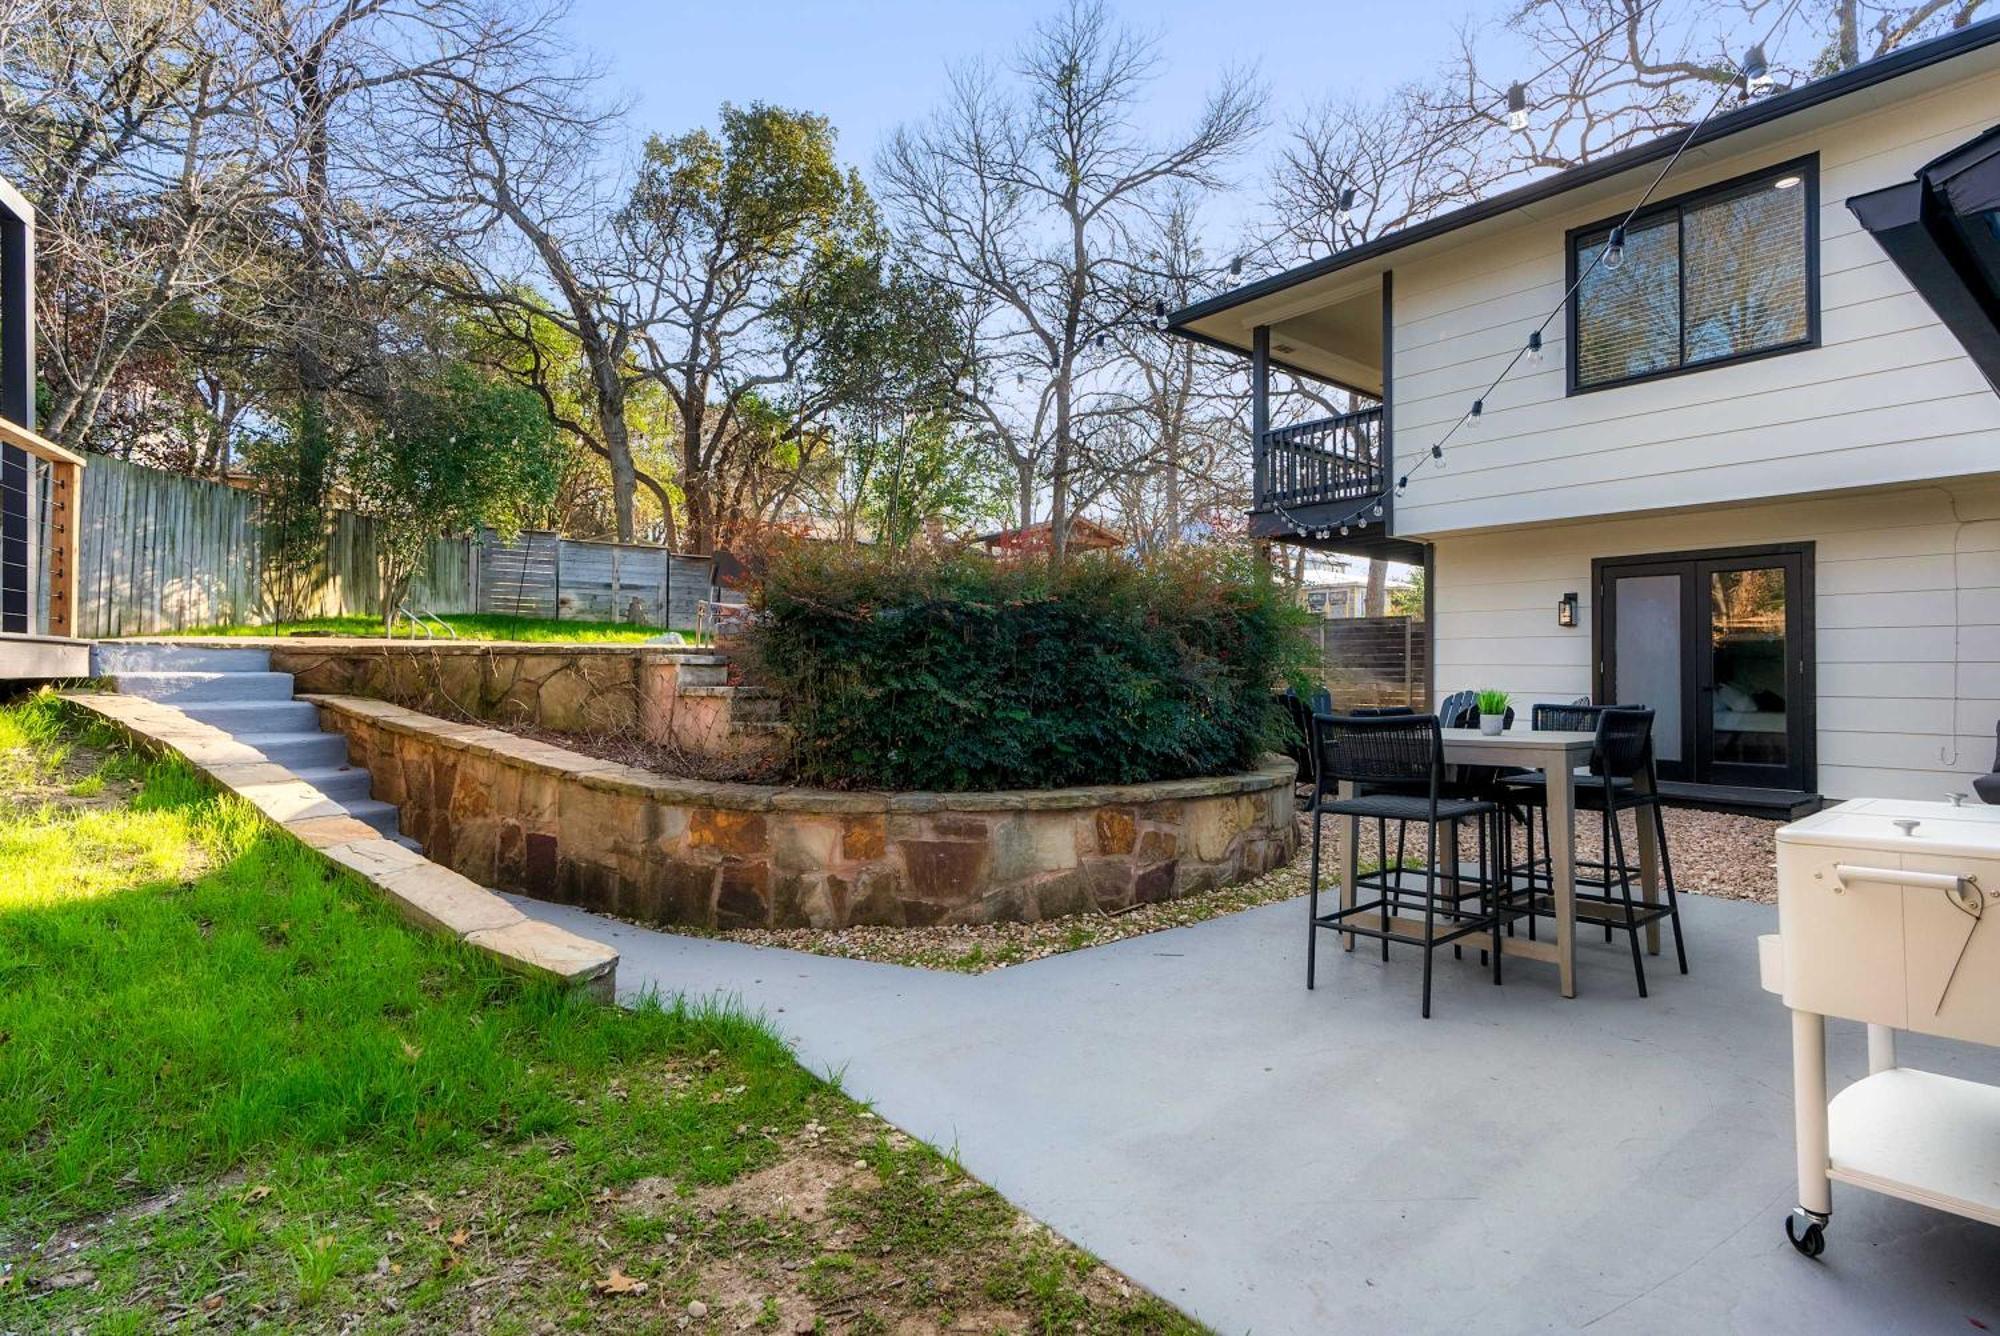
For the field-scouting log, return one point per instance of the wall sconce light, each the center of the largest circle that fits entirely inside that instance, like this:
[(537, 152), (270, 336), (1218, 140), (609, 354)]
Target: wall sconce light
[(1566, 610)]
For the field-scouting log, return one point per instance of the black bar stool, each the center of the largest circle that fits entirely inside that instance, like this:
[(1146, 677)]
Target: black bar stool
[(1399, 761)]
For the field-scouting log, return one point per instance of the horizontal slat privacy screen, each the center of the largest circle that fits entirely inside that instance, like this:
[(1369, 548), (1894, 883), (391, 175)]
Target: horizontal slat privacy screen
[(1717, 276)]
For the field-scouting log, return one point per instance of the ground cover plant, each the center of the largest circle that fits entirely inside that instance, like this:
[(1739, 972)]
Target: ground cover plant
[(234, 1093), (468, 625), (953, 671)]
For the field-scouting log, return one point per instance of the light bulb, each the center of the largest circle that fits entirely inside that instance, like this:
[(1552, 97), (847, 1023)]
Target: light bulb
[(1534, 347), (1377, 512), (1472, 418), (1614, 252), (1517, 108), (1346, 210)]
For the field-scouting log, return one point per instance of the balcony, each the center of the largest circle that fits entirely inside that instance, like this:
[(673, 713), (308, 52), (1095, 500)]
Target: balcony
[(1322, 462)]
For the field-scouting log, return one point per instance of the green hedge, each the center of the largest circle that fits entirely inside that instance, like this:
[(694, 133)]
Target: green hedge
[(955, 672)]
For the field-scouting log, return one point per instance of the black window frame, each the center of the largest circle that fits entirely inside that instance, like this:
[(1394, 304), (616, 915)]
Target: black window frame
[(1806, 168)]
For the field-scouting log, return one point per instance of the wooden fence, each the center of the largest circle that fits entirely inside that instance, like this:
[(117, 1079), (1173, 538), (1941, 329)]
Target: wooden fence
[(541, 575), (164, 553), (1375, 660)]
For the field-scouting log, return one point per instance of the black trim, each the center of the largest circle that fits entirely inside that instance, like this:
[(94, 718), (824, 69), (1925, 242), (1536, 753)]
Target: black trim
[(1387, 445), (1801, 603), (1934, 231), (1907, 60), (1805, 168), (17, 401)]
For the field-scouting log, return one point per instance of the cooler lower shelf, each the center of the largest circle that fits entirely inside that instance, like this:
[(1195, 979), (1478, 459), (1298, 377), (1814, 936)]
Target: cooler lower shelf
[(1930, 1139)]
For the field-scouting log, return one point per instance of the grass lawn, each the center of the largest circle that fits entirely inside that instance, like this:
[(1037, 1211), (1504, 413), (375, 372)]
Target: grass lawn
[(235, 1093), (469, 625)]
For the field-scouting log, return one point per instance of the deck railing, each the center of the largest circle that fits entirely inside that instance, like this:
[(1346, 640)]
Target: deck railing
[(1325, 460), (38, 521)]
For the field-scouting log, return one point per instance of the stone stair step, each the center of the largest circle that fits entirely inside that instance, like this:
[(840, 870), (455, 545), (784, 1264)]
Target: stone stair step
[(373, 811), (341, 783), (271, 716), (216, 687), (298, 751), (112, 657)]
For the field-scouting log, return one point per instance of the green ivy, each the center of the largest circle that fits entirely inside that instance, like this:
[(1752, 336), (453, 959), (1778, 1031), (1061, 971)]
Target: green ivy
[(955, 672)]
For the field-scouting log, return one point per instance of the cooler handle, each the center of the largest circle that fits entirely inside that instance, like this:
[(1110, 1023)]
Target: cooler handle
[(1954, 886)]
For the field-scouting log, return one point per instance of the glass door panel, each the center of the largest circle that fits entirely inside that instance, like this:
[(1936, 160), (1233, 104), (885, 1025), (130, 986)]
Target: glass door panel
[(1747, 662), (1646, 655)]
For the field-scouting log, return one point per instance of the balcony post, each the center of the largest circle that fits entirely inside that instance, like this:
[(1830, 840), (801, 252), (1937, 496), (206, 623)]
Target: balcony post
[(1260, 414)]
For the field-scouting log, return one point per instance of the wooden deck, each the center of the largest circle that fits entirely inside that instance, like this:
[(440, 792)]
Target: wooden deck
[(42, 658)]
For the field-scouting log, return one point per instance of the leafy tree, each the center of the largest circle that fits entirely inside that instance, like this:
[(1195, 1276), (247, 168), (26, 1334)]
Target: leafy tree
[(722, 243), (461, 452)]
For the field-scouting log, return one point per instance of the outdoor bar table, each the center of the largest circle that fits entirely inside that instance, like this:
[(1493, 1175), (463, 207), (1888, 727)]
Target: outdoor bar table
[(1557, 756)]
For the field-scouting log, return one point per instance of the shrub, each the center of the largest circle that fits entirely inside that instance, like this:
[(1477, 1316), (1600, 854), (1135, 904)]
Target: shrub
[(955, 672)]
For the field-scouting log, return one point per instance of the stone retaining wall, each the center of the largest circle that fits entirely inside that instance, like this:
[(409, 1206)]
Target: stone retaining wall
[(522, 815), (674, 695)]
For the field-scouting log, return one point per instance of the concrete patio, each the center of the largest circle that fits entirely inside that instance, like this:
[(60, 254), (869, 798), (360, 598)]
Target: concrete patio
[(1277, 1161)]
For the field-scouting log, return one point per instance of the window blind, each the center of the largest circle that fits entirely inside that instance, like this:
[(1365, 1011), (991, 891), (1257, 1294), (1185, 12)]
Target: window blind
[(1717, 276)]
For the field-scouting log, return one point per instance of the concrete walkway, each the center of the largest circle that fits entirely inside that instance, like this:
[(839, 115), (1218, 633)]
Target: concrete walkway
[(1277, 1161)]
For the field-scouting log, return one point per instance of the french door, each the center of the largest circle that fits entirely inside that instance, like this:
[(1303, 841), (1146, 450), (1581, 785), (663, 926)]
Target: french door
[(1719, 644)]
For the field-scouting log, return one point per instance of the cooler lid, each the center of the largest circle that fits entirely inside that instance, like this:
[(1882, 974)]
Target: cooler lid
[(1972, 831)]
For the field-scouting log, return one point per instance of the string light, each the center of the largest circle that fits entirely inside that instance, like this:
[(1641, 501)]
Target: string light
[(1236, 267), (1534, 347), (1756, 71), (1614, 250), (1346, 211), (1517, 107)]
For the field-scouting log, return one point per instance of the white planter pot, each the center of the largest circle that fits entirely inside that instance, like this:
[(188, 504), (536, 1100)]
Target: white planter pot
[(1491, 724)]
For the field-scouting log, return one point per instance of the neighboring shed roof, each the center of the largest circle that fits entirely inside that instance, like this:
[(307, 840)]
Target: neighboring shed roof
[(1084, 536)]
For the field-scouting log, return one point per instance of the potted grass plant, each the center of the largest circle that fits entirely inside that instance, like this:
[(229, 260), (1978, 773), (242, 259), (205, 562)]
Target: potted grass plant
[(1492, 706)]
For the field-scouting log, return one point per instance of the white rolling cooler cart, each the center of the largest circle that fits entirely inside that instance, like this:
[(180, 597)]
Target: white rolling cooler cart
[(1882, 919)]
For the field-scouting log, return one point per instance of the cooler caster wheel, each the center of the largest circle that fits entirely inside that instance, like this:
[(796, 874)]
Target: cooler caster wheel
[(1809, 1240)]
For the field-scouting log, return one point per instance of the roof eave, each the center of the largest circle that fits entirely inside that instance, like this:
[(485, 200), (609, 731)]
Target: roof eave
[(1882, 69)]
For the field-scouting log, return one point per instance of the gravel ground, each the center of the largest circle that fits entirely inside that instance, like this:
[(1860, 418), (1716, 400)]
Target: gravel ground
[(1713, 854)]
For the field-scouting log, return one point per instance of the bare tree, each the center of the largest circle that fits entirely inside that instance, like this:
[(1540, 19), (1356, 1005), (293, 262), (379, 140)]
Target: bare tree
[(525, 165), (1025, 194), (132, 127)]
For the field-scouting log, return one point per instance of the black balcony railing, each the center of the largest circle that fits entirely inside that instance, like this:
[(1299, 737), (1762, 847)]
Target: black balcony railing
[(1327, 460)]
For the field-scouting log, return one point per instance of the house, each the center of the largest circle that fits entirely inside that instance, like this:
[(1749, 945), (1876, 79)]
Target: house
[(40, 484), (1753, 478), (1084, 536), (1330, 601)]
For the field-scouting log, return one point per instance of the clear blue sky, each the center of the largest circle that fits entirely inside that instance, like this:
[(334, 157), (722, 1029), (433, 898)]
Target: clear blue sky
[(871, 66)]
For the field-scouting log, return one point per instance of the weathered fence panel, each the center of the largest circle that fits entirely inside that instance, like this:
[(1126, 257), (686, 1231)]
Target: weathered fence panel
[(1375, 660), (162, 553), (538, 574)]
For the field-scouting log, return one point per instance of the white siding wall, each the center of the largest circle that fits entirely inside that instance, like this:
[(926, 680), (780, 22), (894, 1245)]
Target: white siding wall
[(1908, 611), (1889, 397)]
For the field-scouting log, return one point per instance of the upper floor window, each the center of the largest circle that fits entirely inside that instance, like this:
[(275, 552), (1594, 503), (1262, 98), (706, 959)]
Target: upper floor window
[(1715, 276)]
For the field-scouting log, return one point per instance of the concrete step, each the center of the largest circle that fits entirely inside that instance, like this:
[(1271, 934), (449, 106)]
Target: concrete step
[(222, 688), (112, 657), (263, 716), (299, 751), (748, 709), (383, 816), (700, 675), (343, 783)]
